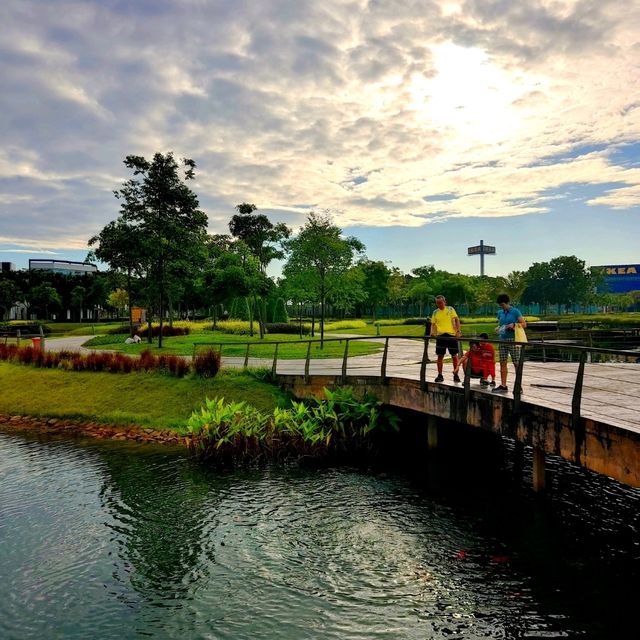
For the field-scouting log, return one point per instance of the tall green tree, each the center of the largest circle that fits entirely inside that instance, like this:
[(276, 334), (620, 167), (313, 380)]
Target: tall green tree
[(123, 247), (262, 237), (563, 281), (44, 299), (165, 211), (514, 284), (10, 294), (77, 298), (397, 286), (320, 251), (376, 283)]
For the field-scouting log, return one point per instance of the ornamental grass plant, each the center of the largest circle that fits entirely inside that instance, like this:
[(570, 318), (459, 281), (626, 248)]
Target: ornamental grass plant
[(235, 432), (109, 361)]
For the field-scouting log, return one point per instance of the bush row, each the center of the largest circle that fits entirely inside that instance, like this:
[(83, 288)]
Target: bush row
[(205, 364), (167, 330)]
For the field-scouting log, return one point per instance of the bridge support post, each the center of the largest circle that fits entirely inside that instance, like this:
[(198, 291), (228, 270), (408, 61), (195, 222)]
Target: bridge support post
[(432, 433), (538, 469)]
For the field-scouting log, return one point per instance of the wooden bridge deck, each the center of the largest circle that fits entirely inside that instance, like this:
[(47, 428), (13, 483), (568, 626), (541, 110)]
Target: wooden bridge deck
[(611, 391)]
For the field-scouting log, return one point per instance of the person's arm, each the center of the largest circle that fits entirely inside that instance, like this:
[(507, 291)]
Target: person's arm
[(461, 362), (455, 321), (434, 328)]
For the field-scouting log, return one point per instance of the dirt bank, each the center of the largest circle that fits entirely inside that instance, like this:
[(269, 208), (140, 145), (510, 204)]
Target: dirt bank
[(91, 429)]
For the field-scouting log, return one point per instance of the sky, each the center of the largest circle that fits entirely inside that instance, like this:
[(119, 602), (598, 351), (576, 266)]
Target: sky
[(421, 127)]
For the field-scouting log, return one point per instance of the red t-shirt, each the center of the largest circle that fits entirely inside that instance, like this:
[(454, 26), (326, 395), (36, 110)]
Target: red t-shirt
[(483, 360), (488, 354)]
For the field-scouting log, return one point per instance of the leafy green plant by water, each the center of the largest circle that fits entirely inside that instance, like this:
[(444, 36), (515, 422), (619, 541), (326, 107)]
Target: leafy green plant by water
[(231, 432)]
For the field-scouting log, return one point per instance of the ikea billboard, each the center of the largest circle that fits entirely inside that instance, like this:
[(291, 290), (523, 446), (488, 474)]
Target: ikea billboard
[(620, 278)]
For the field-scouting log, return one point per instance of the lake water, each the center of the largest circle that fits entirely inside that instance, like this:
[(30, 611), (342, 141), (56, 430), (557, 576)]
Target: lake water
[(104, 540)]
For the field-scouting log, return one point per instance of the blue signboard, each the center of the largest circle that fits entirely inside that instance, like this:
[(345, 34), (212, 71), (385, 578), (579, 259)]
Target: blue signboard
[(620, 278)]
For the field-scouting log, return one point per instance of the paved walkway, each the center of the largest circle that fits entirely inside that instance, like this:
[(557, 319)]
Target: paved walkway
[(611, 391)]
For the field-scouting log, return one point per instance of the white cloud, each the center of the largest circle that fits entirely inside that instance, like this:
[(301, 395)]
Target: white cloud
[(362, 108)]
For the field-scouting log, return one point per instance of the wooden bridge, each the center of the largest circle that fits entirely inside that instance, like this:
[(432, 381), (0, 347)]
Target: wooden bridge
[(580, 403)]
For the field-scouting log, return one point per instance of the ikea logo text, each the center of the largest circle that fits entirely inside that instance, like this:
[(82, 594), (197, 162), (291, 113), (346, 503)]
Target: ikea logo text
[(621, 271)]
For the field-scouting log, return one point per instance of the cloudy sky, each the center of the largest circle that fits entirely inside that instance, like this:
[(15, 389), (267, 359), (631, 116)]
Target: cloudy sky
[(421, 126)]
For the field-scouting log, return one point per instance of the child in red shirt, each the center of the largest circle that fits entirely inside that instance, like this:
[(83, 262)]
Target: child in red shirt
[(482, 357), (488, 361)]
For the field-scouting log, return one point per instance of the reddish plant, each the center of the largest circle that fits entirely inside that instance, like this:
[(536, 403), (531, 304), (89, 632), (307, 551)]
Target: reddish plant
[(148, 361), (207, 363)]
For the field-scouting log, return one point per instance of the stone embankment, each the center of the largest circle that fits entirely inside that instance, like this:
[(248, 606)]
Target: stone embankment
[(88, 429)]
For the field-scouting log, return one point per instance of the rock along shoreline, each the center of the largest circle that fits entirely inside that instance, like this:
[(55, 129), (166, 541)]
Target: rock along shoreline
[(65, 426)]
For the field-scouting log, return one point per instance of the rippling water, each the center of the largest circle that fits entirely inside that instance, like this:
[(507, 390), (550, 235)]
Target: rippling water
[(128, 541)]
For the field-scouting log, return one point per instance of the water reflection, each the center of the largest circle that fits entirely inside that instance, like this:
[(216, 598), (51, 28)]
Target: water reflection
[(100, 540)]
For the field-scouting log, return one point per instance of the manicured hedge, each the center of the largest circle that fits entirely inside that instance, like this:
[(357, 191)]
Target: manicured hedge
[(143, 332), (286, 327)]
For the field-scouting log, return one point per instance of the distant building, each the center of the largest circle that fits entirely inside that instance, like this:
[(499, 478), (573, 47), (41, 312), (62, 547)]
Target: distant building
[(8, 266), (619, 278), (65, 267)]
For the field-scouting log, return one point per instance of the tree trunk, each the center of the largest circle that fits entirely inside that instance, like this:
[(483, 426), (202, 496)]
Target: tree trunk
[(300, 317), (129, 301), (322, 303), (161, 300)]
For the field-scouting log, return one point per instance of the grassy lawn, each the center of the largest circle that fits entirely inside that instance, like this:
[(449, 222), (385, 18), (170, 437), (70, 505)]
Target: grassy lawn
[(469, 327), (81, 328), (150, 400), (235, 345)]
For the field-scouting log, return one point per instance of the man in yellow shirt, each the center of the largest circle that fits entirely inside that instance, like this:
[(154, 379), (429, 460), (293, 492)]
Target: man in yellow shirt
[(445, 327)]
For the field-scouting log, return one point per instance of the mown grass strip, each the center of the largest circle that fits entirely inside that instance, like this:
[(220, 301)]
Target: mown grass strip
[(145, 399), (234, 345)]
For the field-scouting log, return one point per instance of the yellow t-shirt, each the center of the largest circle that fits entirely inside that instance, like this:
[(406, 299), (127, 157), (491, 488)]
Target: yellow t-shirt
[(443, 319)]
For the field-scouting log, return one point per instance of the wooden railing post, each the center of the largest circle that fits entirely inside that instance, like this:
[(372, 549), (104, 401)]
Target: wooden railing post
[(423, 365), (577, 391), (18, 335), (306, 364), (517, 385), (344, 362), (467, 380), (246, 356), (383, 367), (274, 366)]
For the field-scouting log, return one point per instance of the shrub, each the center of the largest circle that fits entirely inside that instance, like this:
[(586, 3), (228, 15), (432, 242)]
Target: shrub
[(344, 324), (122, 329), (240, 309), (236, 327), (207, 363), (112, 362), (287, 327), (147, 361), (167, 330), (421, 321), (280, 314), (236, 431)]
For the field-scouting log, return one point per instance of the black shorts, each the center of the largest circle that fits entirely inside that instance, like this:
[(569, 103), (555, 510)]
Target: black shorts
[(444, 342)]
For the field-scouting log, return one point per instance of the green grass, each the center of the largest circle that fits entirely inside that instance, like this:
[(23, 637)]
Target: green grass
[(80, 328), (150, 400), (235, 345)]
